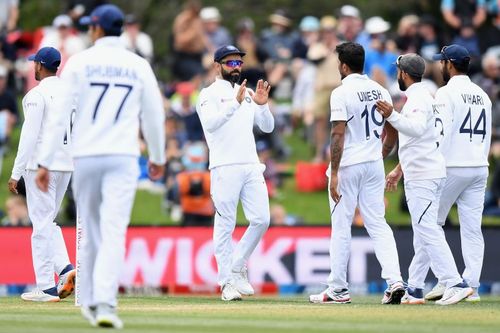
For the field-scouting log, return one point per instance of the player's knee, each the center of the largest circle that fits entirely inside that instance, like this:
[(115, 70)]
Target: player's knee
[(261, 220)]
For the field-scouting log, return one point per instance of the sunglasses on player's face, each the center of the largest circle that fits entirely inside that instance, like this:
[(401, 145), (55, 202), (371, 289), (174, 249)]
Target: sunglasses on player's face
[(232, 63)]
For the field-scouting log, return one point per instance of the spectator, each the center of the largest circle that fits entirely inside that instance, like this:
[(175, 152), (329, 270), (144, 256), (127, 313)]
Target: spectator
[(489, 81), (271, 174), (188, 42), (328, 32), (350, 26), (17, 212), (8, 112), (62, 37), (429, 38), (456, 12), (379, 62), (327, 78), (9, 14), (309, 34), (194, 187), (217, 35), (255, 56), (79, 8), (278, 39), (279, 217), (183, 104), (136, 40), (407, 34)]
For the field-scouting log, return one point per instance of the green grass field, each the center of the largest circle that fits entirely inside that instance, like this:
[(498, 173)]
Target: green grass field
[(258, 314)]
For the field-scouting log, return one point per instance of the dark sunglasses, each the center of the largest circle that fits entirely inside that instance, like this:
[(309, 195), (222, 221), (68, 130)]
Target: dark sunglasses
[(232, 63)]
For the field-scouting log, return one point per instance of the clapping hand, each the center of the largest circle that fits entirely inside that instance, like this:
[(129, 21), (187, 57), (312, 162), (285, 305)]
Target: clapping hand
[(261, 93), (240, 96)]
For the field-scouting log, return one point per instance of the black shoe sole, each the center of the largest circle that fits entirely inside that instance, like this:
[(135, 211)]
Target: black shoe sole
[(396, 296)]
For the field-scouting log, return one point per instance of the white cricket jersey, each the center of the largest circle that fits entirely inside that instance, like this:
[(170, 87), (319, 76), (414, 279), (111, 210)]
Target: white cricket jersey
[(354, 102), (47, 99), (419, 152), (228, 126), (115, 91), (465, 111)]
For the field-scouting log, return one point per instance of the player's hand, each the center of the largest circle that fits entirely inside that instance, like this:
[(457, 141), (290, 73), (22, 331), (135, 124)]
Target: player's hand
[(261, 92), (240, 96), (392, 179), (384, 108), (155, 171), (334, 182), (13, 186), (42, 179)]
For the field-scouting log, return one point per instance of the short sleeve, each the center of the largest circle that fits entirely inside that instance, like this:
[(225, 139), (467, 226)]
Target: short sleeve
[(338, 106)]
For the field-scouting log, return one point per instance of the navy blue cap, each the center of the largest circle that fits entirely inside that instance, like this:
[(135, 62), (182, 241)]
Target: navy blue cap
[(49, 57), (454, 53), (109, 17), (226, 50)]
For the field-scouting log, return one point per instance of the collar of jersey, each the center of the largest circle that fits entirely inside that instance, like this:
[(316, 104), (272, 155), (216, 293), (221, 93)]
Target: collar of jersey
[(458, 78), (224, 83), (354, 76), (414, 88), (109, 41), (48, 79)]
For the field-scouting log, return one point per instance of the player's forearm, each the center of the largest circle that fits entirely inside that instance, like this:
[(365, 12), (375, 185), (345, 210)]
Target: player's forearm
[(154, 134), (264, 118), (413, 126), (391, 137), (337, 144)]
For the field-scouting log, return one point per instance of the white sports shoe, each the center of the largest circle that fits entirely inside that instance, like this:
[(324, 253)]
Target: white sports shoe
[(455, 294), (106, 317), (413, 296), (394, 293), (38, 295), (241, 282), (474, 297), (436, 292), (331, 296), (89, 313), (229, 293), (66, 284)]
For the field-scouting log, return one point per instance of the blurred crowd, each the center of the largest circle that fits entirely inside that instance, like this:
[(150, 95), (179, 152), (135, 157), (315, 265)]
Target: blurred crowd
[(294, 54)]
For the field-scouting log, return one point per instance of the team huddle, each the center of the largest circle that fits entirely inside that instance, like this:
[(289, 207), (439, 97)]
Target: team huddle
[(85, 124)]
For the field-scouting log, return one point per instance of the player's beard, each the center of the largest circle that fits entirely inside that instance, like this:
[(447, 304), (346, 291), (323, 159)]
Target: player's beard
[(232, 76), (446, 74), (401, 83)]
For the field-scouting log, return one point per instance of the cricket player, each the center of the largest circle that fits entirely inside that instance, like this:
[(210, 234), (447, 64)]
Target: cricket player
[(464, 112), (48, 249), (356, 177), (115, 92), (423, 166), (228, 112)]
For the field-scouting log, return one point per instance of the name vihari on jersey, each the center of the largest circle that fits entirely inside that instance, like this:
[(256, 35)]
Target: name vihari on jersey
[(368, 96), (472, 99), (110, 71)]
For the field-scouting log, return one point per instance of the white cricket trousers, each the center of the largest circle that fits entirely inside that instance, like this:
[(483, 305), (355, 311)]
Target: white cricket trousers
[(104, 188), (429, 241), (466, 187), (47, 243), (229, 184), (361, 184)]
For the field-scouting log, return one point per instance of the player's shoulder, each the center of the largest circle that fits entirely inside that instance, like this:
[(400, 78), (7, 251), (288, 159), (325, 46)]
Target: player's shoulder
[(33, 98)]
